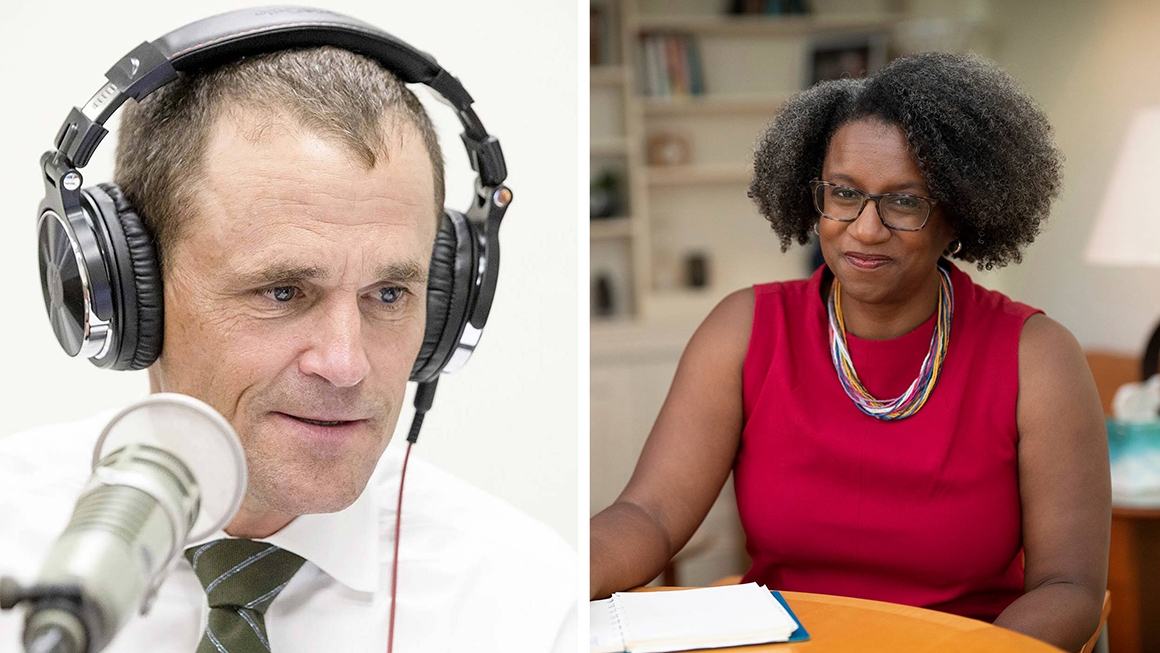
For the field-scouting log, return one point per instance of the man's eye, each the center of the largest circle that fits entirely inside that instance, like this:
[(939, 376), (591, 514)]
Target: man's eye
[(282, 294), (390, 294)]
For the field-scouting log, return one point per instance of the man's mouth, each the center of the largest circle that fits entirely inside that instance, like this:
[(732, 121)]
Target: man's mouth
[(317, 422), (321, 422)]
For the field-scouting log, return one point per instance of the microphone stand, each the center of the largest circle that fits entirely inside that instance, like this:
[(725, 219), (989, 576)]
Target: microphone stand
[(55, 620)]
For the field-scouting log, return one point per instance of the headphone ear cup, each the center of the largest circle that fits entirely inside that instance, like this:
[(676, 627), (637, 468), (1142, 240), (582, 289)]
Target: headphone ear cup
[(449, 280), (138, 288)]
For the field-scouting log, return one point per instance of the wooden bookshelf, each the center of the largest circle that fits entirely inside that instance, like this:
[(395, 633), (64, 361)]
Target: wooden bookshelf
[(610, 228), (607, 75), (608, 146)]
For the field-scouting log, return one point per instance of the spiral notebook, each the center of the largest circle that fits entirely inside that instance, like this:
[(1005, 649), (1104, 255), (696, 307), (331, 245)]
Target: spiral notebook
[(682, 620)]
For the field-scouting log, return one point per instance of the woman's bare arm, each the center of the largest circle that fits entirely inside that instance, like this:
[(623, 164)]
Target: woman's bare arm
[(686, 460), (1064, 487)]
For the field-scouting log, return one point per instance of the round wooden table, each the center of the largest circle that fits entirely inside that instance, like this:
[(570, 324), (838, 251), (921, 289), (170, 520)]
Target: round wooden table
[(840, 624)]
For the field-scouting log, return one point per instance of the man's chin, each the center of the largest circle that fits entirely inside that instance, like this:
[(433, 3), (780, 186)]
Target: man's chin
[(294, 473), (295, 500)]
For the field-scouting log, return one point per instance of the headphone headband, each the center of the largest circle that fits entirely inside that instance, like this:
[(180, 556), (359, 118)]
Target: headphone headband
[(226, 37)]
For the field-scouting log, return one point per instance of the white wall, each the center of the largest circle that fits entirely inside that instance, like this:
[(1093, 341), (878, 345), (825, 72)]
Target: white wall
[(507, 422), (1091, 65)]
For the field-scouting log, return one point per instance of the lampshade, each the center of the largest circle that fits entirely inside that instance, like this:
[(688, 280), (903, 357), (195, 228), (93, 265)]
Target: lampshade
[(1127, 230)]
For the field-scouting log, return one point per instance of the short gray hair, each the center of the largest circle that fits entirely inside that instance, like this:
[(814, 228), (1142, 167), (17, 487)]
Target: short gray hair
[(332, 92)]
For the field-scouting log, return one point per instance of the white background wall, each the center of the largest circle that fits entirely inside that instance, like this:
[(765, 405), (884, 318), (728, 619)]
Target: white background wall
[(508, 421)]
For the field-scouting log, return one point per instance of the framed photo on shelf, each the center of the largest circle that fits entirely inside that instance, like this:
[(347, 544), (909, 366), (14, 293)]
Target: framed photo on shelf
[(852, 56)]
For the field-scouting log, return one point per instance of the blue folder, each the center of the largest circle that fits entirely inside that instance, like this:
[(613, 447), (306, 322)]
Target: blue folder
[(799, 635)]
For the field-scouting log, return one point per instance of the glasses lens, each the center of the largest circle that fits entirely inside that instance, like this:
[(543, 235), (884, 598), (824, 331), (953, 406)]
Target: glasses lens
[(837, 202), (904, 211)]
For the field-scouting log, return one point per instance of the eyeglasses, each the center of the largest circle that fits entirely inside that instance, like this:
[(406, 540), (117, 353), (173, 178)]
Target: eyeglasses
[(898, 211)]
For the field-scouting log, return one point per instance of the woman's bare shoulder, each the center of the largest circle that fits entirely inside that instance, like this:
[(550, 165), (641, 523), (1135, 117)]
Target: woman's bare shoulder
[(728, 326), (1056, 388), (1047, 348)]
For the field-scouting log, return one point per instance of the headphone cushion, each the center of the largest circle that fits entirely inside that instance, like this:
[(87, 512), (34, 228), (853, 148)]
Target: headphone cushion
[(147, 283), (447, 289)]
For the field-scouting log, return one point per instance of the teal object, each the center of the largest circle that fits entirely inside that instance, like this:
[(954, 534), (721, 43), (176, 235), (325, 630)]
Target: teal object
[(1131, 439)]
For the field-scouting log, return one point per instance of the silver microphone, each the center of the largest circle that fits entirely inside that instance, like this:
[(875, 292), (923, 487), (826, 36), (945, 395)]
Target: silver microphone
[(167, 470)]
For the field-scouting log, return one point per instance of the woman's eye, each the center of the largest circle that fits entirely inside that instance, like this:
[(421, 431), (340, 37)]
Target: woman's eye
[(905, 203)]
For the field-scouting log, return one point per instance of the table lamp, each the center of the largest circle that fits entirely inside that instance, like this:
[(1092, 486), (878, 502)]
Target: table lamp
[(1127, 229)]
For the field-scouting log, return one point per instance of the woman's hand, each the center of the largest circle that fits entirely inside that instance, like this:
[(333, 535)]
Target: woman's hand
[(686, 460), (1064, 488)]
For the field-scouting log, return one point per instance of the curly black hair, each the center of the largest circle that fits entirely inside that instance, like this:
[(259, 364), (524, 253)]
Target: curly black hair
[(983, 145)]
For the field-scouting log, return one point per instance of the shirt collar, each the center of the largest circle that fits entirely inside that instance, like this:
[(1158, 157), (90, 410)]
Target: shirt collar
[(343, 544)]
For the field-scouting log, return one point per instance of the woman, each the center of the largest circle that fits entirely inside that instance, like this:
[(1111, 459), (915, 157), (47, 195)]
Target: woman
[(983, 489)]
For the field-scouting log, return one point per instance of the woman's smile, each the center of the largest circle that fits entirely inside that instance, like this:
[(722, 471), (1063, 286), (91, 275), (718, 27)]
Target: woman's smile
[(867, 262)]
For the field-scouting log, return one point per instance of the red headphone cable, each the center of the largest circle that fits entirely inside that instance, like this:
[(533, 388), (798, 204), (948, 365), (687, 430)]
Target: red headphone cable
[(424, 397)]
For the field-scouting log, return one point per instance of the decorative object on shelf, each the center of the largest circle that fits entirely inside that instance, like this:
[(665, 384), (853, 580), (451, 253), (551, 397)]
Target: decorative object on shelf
[(671, 65), (604, 196), (1127, 228), (603, 300), (847, 56), (768, 7), (669, 149), (697, 270)]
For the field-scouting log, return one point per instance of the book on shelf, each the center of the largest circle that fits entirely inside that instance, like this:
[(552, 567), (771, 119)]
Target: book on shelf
[(670, 65), (683, 620)]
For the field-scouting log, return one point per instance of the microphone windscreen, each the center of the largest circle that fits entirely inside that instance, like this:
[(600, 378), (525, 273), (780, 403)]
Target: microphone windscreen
[(199, 437)]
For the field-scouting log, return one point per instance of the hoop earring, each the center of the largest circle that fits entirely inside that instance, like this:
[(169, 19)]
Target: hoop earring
[(816, 228), (955, 247)]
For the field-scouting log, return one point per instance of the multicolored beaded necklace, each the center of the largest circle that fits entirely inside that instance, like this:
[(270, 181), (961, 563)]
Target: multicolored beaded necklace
[(921, 388)]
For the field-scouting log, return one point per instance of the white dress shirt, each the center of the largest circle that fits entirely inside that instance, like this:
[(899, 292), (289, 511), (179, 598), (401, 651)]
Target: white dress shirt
[(475, 574)]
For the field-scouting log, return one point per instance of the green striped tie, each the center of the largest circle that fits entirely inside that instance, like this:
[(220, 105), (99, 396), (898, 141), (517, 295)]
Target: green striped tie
[(241, 579)]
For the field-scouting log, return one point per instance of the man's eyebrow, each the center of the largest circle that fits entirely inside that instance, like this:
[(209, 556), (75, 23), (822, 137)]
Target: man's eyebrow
[(281, 273), (406, 272)]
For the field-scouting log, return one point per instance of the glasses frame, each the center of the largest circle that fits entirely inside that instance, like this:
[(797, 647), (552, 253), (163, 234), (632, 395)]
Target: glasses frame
[(815, 184)]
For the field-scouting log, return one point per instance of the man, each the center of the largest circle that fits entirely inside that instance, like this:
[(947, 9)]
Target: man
[(294, 199)]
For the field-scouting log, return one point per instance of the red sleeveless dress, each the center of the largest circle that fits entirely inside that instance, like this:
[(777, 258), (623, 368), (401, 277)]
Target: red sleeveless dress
[(922, 511)]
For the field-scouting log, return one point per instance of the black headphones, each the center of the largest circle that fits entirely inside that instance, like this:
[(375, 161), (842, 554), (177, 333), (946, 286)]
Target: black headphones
[(98, 265)]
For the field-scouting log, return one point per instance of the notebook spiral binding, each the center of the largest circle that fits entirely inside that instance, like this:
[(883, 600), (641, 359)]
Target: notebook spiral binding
[(621, 624)]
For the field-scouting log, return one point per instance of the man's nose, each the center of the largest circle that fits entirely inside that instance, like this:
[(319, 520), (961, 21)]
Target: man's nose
[(336, 351)]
